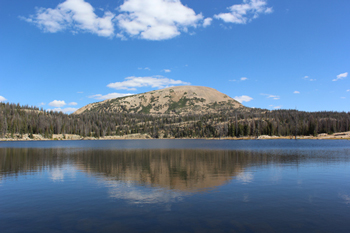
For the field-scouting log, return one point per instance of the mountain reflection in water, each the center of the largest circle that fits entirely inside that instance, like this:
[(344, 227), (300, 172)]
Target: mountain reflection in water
[(186, 170)]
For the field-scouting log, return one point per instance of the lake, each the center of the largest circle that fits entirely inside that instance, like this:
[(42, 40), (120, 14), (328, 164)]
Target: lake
[(175, 186)]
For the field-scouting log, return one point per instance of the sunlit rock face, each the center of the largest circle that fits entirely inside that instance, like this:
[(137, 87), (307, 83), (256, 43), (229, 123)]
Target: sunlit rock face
[(172, 100)]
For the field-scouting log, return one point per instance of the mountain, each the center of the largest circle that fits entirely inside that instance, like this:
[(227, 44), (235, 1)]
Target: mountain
[(172, 100)]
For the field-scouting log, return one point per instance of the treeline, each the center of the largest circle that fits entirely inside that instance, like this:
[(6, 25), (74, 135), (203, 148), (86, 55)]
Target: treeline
[(16, 119)]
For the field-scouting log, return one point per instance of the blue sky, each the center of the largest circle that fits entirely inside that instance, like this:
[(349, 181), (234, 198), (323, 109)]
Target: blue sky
[(266, 53)]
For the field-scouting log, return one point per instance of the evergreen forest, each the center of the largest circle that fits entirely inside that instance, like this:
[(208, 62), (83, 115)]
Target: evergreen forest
[(17, 119)]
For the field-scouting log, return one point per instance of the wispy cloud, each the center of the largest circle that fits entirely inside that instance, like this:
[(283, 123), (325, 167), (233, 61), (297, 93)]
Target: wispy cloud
[(146, 68), (109, 96), (275, 97), (245, 12), (131, 83), (308, 78), (156, 19), (243, 98), (241, 79), (167, 70), (2, 99), (341, 76), (57, 103), (73, 103), (296, 92), (75, 16)]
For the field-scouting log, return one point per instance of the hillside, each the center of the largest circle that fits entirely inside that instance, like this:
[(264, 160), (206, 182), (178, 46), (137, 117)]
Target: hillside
[(172, 100)]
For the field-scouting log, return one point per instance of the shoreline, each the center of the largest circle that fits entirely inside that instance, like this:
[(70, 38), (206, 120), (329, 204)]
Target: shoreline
[(73, 137)]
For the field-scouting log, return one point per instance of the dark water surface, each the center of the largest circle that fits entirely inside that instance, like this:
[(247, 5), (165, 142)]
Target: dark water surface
[(175, 186)]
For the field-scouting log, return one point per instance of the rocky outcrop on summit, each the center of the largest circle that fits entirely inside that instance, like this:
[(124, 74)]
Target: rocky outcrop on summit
[(172, 100)]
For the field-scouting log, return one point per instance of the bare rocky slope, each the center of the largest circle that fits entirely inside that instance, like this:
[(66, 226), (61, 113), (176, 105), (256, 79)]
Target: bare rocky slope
[(172, 100)]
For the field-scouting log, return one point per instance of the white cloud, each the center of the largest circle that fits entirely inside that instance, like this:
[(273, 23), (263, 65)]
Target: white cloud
[(348, 90), (109, 96), (167, 70), (207, 22), (2, 99), (296, 92), (131, 83), (156, 19), (150, 20), (243, 78), (42, 104), (275, 97), (245, 12), (243, 98), (64, 110), (341, 76), (57, 103), (73, 103), (74, 15)]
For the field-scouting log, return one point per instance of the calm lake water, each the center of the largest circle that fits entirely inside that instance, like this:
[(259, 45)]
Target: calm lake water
[(175, 186)]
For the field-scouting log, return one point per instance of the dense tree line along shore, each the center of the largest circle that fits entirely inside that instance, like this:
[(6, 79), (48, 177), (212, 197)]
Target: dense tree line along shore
[(16, 119)]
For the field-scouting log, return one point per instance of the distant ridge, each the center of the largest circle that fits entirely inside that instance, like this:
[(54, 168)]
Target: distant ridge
[(171, 100)]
